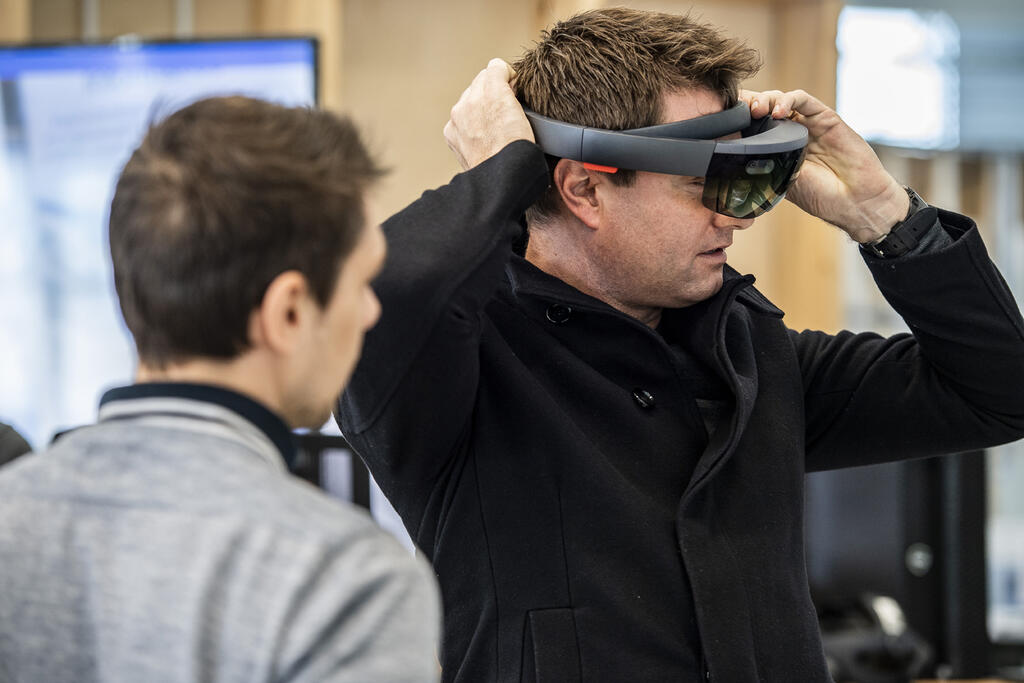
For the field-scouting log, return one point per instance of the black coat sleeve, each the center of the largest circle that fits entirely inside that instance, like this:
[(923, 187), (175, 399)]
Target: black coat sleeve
[(12, 444), (955, 383), (412, 393)]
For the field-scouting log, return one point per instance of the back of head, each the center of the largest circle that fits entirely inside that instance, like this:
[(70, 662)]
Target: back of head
[(610, 68), (220, 198)]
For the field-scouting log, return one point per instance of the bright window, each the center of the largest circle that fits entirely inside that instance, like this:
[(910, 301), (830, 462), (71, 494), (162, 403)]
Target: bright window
[(897, 82)]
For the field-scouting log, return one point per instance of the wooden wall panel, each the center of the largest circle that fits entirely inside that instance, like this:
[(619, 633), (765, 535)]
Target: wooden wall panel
[(148, 18), (551, 11), (804, 279), (56, 20), (405, 65), (972, 195), (321, 18), (223, 17), (15, 22)]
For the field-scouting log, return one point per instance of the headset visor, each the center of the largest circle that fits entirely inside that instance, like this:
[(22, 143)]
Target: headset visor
[(745, 186)]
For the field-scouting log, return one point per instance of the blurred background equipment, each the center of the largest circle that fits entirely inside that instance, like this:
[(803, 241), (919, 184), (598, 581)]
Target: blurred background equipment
[(914, 532), (867, 640)]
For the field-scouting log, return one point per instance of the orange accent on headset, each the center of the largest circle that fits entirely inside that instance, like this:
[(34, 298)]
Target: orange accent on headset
[(598, 167)]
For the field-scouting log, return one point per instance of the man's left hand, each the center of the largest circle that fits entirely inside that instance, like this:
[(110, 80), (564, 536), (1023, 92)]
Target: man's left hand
[(841, 180)]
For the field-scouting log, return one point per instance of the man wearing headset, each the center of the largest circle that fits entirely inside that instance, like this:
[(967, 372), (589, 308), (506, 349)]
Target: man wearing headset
[(602, 446)]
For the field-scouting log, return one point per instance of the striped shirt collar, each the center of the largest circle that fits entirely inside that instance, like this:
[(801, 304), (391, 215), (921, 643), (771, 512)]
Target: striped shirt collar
[(235, 415)]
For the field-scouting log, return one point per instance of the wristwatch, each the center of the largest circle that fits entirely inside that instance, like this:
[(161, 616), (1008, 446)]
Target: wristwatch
[(903, 236)]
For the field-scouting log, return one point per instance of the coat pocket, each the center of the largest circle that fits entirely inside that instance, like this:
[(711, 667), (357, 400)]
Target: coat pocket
[(550, 653)]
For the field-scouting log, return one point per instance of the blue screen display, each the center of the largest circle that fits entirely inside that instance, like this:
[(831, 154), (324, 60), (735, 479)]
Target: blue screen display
[(15, 62)]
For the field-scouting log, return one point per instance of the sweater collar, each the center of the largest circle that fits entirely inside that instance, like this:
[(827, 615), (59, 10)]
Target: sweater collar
[(244, 418)]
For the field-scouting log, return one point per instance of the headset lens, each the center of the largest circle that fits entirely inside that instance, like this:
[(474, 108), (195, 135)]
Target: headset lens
[(744, 186)]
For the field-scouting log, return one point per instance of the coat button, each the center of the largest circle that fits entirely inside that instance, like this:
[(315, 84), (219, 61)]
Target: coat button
[(558, 313), (644, 398)]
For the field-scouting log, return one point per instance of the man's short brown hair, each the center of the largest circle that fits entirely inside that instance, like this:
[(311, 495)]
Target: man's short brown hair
[(610, 68), (219, 199)]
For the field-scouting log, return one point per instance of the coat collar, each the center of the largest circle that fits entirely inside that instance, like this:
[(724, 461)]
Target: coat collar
[(715, 331), (529, 280)]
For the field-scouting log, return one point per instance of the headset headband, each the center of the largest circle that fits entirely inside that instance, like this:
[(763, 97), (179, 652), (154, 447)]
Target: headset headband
[(680, 147)]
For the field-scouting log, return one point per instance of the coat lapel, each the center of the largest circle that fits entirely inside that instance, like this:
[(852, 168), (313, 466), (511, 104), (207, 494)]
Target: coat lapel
[(722, 341)]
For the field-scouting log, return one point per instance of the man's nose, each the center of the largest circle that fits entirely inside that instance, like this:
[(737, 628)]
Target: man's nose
[(722, 221)]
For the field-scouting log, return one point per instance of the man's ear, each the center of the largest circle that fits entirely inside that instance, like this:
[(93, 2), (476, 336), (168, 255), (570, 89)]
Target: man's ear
[(277, 323), (577, 186)]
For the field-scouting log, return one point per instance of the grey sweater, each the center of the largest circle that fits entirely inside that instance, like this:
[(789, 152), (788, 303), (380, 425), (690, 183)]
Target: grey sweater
[(168, 543)]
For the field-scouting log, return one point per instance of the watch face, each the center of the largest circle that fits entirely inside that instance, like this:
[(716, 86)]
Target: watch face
[(916, 203)]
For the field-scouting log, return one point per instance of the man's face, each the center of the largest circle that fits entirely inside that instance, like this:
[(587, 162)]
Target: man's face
[(335, 338), (660, 247)]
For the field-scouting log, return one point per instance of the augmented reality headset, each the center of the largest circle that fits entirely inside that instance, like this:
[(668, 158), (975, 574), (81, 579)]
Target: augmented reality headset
[(743, 177)]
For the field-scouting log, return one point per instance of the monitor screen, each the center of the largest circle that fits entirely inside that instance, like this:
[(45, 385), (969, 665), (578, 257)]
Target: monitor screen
[(70, 115)]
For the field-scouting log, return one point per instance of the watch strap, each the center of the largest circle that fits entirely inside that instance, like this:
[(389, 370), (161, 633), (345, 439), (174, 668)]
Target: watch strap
[(905, 235)]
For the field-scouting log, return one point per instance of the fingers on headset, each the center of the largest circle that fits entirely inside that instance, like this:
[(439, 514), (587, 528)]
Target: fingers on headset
[(805, 104), (781, 104), (770, 102), (761, 103)]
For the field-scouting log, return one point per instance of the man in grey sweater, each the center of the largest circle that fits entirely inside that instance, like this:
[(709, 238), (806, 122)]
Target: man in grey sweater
[(167, 542)]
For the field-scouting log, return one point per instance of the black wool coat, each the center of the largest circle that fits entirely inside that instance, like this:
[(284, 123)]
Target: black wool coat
[(546, 453)]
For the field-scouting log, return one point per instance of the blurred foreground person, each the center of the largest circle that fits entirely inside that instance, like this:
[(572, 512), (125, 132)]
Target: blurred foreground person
[(601, 446), (168, 542)]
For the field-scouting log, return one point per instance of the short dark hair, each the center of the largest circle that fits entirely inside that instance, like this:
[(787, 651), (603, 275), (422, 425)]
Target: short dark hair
[(220, 198), (610, 68)]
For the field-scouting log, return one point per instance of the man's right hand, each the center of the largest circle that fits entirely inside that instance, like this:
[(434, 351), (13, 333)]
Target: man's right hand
[(487, 117), (842, 181)]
